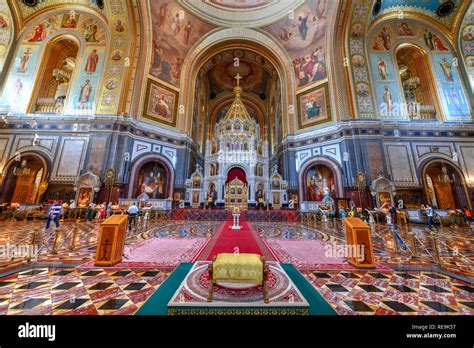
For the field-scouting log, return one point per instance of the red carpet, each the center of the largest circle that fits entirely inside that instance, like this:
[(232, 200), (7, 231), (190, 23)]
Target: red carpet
[(226, 240)]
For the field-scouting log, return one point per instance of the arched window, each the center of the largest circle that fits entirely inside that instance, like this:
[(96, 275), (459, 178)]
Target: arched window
[(56, 75), (417, 81)]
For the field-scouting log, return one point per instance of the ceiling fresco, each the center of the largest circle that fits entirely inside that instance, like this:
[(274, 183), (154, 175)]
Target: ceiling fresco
[(239, 4), (243, 13), (425, 7), (254, 78), (303, 34), (175, 31)]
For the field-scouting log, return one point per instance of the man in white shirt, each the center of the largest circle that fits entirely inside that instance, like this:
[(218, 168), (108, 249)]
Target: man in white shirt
[(429, 214), (132, 215)]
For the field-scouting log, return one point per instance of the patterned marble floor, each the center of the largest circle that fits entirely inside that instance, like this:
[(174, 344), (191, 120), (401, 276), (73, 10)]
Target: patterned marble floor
[(70, 291), (393, 293), (122, 291), (455, 245)]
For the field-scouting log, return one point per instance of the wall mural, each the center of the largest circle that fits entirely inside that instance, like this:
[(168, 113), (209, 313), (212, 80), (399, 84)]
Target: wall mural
[(26, 65), (161, 103), (88, 79), (313, 107), (118, 60), (467, 43), (390, 99), (358, 62), (303, 34), (451, 84), (174, 32), (6, 32)]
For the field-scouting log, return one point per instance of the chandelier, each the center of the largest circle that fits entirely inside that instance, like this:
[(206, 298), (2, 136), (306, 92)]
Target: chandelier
[(444, 177), (21, 169), (411, 83)]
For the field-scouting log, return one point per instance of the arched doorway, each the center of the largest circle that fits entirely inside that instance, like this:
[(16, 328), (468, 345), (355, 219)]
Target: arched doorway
[(57, 72), (415, 78), (152, 180), (241, 39), (319, 181), (24, 180), (236, 172), (444, 186)]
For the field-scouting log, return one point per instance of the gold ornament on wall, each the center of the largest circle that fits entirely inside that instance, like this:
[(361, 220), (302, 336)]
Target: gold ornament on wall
[(43, 187)]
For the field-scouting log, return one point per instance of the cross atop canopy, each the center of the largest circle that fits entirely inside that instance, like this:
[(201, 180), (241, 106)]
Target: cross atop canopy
[(238, 78)]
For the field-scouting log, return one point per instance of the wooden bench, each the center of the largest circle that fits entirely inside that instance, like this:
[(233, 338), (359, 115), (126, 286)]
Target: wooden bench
[(239, 269)]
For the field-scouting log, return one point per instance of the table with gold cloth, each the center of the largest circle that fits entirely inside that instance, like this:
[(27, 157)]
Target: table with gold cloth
[(239, 268)]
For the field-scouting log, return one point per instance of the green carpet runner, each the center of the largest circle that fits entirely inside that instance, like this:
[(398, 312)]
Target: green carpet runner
[(157, 304)]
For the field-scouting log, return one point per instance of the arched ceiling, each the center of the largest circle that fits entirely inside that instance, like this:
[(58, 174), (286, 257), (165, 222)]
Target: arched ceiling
[(245, 13), (443, 12), (257, 73), (25, 10)]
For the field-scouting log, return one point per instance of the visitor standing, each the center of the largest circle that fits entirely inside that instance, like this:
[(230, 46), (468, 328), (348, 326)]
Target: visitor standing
[(109, 209), (394, 216), (429, 214), (53, 214), (467, 215), (90, 211), (132, 215), (342, 212)]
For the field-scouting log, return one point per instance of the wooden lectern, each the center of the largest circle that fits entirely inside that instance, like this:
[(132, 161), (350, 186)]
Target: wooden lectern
[(357, 235), (111, 240)]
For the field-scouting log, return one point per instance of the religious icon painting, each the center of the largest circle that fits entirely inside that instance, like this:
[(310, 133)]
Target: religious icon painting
[(314, 107), (161, 103), (70, 20)]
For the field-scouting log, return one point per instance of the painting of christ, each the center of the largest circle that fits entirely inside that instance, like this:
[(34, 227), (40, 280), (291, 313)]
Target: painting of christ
[(313, 108), (161, 103)]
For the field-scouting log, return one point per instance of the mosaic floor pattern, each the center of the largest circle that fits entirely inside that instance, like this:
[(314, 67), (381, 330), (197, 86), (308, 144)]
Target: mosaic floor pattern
[(393, 293), (71, 291), (124, 289)]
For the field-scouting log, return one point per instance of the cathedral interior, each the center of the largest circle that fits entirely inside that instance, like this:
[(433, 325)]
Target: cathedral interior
[(252, 157)]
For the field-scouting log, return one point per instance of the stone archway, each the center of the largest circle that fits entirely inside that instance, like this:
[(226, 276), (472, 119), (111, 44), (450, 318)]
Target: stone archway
[(444, 184), (230, 38), (168, 182), (334, 167), (24, 178)]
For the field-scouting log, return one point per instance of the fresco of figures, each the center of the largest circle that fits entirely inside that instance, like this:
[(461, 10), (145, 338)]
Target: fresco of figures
[(175, 31), (27, 60), (467, 43), (6, 31), (382, 45), (89, 28), (303, 34)]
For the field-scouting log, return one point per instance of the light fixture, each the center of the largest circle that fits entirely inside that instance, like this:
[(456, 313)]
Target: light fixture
[(22, 169), (444, 177)]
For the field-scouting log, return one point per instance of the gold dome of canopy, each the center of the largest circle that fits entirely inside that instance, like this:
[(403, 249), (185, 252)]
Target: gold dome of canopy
[(237, 110)]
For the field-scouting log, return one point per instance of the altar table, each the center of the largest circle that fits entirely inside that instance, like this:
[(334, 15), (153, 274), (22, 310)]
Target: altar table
[(239, 268)]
